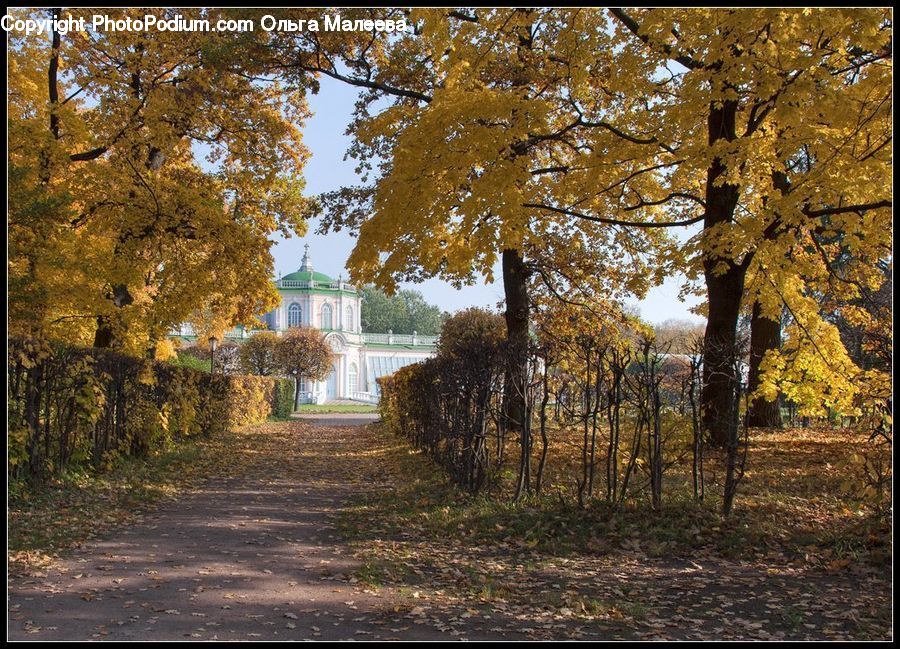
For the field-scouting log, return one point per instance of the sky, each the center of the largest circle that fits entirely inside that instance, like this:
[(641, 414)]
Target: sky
[(327, 170)]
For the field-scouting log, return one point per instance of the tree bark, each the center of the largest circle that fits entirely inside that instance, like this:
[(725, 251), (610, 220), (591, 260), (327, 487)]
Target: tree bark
[(515, 287), (719, 355), (105, 336), (725, 287), (765, 334), (545, 398), (120, 295), (52, 81)]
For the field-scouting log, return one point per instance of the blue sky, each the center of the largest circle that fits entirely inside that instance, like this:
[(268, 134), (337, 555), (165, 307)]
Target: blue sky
[(326, 170)]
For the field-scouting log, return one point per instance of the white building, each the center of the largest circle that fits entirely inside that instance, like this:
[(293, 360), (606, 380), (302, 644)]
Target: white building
[(332, 306)]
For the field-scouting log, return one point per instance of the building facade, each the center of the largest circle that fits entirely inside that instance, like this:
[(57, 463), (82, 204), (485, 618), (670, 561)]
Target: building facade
[(312, 299)]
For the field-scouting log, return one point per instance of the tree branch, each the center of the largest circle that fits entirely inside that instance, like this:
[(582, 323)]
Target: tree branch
[(632, 26), (672, 195), (366, 83), (462, 16), (600, 219), (622, 134), (52, 82), (830, 211)]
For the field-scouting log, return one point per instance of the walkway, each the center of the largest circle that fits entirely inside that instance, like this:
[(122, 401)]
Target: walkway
[(255, 555), (251, 556)]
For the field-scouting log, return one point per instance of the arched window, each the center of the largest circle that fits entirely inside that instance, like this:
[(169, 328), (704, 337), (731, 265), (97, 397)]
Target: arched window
[(352, 378), (294, 315), (348, 323), (326, 317)]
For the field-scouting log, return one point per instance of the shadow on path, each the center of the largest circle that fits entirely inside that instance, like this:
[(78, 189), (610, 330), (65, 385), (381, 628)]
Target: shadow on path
[(249, 556)]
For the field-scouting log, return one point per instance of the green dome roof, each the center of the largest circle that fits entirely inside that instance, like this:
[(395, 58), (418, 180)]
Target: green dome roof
[(307, 275)]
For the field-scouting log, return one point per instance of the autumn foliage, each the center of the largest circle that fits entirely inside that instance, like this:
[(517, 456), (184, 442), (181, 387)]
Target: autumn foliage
[(444, 405), (570, 142), (612, 413), (119, 229), (76, 407), (303, 354), (589, 153)]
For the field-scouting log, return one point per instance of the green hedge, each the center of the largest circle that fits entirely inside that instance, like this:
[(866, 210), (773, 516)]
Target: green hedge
[(445, 405), (83, 407), (283, 398)]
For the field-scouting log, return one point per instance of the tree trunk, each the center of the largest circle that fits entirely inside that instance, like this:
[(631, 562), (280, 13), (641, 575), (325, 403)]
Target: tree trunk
[(103, 337), (106, 336), (515, 287), (296, 393), (765, 334), (545, 398), (515, 273), (719, 355), (724, 290), (108, 327)]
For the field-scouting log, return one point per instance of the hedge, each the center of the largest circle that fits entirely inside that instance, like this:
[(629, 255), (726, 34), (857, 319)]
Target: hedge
[(86, 407), (283, 398), (445, 405)]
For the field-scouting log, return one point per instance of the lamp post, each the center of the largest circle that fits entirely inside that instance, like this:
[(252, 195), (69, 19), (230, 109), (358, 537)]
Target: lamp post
[(213, 343)]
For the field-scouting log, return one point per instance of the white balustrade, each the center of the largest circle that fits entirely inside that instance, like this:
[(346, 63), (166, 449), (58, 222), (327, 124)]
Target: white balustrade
[(365, 397), (311, 283), (400, 339)]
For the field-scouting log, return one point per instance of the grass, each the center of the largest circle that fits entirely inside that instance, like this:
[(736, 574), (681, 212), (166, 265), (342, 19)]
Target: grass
[(425, 500), (603, 608), (375, 572), (792, 503), (310, 408), (414, 531), (546, 559)]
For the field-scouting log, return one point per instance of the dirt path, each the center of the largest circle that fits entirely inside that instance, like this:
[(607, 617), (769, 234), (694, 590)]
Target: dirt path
[(252, 556), (255, 555)]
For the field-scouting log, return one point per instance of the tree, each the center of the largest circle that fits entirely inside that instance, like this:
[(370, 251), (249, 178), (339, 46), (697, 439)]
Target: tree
[(765, 335), (524, 136), (119, 231), (258, 354), (302, 353), (457, 162), (772, 106), (734, 102), (469, 357), (473, 335), (865, 323), (404, 312), (678, 336), (421, 317), (381, 312), (591, 344), (837, 353), (227, 357)]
